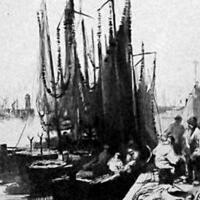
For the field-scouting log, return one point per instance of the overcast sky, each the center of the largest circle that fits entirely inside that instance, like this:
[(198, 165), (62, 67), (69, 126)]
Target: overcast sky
[(169, 27)]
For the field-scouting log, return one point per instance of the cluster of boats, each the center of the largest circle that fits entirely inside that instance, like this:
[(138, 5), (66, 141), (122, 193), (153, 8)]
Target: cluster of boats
[(117, 107)]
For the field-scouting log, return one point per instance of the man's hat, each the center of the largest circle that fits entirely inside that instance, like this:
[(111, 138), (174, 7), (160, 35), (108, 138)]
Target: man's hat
[(106, 146), (192, 121), (178, 117)]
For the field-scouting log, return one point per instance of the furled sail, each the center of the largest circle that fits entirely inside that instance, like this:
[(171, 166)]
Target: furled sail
[(124, 108), (116, 84), (192, 107), (45, 102), (62, 99)]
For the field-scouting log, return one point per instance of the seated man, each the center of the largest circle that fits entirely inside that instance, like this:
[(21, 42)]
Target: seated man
[(97, 166), (131, 160), (166, 160)]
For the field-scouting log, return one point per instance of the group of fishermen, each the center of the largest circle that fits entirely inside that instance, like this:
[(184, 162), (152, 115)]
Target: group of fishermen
[(177, 154), (104, 163), (178, 151)]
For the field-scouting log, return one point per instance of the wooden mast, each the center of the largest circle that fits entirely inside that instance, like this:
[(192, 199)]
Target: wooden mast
[(106, 45), (133, 76), (195, 71), (85, 55), (93, 57), (114, 18), (100, 66)]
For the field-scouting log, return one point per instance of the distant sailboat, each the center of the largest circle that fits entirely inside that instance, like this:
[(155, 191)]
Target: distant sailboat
[(192, 101), (192, 106)]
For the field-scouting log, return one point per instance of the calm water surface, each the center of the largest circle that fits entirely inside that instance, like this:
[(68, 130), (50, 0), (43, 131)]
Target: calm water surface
[(4, 196)]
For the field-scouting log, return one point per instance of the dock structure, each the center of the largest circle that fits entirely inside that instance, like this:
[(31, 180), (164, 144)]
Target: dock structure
[(147, 187)]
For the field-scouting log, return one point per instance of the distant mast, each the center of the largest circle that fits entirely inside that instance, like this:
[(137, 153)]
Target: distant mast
[(164, 98), (196, 63)]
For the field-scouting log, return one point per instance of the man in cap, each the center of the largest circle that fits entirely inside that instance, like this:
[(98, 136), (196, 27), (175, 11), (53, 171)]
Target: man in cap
[(176, 129), (193, 142), (192, 125), (132, 157), (191, 136)]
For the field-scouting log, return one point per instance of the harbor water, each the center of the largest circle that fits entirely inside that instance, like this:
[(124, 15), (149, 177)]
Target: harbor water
[(4, 196), (11, 130), (15, 131)]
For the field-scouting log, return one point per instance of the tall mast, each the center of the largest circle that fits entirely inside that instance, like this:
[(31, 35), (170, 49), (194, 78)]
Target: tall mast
[(154, 75), (100, 57), (85, 55), (114, 18), (69, 34), (142, 71), (93, 57), (106, 45), (75, 85), (195, 71), (100, 66), (134, 89)]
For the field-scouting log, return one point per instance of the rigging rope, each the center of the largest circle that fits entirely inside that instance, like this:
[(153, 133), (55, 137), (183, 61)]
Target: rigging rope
[(80, 16), (43, 64), (21, 134), (59, 61)]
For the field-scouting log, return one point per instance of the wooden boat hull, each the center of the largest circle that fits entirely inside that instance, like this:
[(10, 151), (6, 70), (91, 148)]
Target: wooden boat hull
[(40, 176), (17, 171), (105, 187)]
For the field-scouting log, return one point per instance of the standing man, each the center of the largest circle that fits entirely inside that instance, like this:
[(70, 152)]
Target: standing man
[(176, 129), (190, 145), (193, 142)]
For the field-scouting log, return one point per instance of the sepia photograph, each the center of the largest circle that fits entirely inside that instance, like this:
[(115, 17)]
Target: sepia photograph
[(99, 100)]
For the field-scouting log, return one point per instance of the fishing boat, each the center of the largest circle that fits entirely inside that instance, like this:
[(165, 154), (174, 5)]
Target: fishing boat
[(61, 102), (123, 110)]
